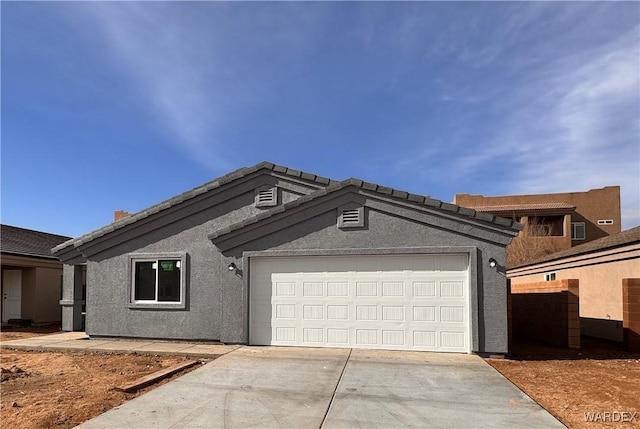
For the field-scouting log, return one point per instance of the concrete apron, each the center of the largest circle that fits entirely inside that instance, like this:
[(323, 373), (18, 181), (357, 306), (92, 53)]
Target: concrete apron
[(249, 387), (390, 389), (294, 387)]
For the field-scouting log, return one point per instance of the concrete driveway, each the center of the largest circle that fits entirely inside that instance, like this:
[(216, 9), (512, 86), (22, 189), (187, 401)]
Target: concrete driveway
[(333, 388)]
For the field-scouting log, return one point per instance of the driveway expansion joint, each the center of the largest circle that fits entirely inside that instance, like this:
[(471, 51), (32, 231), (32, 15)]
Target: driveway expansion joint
[(346, 361)]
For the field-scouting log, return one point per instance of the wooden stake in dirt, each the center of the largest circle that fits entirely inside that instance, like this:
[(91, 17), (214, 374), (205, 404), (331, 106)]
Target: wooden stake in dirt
[(156, 376)]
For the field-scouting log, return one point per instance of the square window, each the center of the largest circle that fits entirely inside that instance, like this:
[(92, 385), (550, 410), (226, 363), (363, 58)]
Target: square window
[(158, 281), (578, 231)]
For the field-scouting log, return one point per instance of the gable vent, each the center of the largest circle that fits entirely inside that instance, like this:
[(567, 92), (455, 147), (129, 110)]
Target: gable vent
[(266, 197), (351, 217)]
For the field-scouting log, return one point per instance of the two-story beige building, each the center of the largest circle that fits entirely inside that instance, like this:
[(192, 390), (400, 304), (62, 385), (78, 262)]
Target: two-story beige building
[(552, 222)]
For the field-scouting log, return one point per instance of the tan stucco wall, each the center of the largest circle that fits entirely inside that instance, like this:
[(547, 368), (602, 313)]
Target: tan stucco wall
[(595, 204), (41, 283), (28, 293), (600, 275), (47, 303)]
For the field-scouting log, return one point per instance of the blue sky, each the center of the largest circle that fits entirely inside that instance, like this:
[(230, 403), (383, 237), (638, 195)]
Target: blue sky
[(120, 105)]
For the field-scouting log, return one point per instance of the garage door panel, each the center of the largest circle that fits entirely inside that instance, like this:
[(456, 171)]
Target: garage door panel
[(424, 289), (449, 289), (393, 313), (359, 307), (338, 337), (337, 312), (393, 289)]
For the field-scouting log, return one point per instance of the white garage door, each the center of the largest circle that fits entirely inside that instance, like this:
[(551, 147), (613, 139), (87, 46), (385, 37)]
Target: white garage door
[(405, 302)]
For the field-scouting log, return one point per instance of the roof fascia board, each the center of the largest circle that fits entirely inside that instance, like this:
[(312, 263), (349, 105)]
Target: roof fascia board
[(13, 259), (529, 212), (71, 256), (29, 255), (584, 249), (622, 252), (452, 222), (416, 212), (160, 219), (195, 195)]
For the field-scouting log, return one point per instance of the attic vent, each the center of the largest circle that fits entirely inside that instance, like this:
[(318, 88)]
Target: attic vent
[(351, 217), (266, 197)]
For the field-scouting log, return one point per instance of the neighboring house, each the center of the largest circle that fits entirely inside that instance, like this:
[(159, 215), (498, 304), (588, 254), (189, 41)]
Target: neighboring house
[(31, 275), (600, 266), (270, 255), (552, 222)]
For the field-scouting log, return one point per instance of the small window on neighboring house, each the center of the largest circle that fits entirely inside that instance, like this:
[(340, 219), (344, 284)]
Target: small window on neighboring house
[(605, 221), (267, 196), (577, 231), (158, 280), (351, 216), (549, 277)]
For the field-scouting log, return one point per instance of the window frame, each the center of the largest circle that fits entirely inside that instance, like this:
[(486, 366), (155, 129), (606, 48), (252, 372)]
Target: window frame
[(574, 225), (157, 257), (551, 276), (605, 221)]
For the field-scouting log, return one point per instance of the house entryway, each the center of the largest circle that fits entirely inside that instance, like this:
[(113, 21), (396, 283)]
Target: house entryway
[(11, 295)]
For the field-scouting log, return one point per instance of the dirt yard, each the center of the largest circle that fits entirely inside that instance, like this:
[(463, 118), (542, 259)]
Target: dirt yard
[(600, 377), (62, 390), (15, 333)]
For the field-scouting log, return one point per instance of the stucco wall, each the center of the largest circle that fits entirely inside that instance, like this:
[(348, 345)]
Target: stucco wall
[(28, 293), (47, 307), (109, 281), (600, 275), (40, 287), (217, 299), (595, 204), (383, 231)]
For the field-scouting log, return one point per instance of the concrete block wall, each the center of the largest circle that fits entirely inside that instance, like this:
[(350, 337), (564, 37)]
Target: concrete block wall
[(547, 311), (631, 314)]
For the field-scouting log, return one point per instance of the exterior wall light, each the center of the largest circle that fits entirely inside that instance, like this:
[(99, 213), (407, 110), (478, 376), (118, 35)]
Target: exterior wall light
[(494, 264), (232, 267)]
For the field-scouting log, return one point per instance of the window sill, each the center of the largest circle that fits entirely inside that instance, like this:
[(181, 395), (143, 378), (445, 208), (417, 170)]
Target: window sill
[(156, 306)]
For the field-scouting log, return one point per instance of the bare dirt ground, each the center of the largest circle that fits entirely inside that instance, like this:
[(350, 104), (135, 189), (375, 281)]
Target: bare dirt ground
[(600, 377), (19, 333), (62, 390)]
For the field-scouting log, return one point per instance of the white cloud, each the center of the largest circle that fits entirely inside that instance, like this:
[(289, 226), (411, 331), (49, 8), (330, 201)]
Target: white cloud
[(576, 125), (162, 62), (201, 68)]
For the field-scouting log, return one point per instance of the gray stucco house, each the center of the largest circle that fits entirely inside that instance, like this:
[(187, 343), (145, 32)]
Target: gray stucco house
[(271, 255)]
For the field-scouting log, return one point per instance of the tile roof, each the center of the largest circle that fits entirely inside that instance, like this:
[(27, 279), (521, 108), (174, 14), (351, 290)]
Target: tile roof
[(628, 236), (26, 242), (185, 196), (524, 207), (420, 199)]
